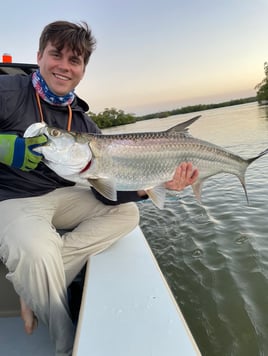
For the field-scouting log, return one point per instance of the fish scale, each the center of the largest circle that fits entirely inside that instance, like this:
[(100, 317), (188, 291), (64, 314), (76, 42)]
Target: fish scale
[(160, 155)]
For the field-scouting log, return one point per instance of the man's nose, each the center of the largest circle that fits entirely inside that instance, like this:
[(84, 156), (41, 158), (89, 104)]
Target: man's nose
[(63, 64)]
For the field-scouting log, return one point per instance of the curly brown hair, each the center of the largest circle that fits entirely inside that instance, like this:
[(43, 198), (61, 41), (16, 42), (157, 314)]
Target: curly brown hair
[(77, 37)]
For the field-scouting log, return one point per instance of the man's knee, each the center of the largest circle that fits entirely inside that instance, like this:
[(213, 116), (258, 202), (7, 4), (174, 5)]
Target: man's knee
[(131, 213)]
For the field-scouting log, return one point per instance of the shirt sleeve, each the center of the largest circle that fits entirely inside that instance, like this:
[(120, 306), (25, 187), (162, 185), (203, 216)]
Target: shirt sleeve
[(122, 197)]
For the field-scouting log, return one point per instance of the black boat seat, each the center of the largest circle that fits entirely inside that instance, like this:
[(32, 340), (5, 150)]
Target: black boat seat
[(9, 300)]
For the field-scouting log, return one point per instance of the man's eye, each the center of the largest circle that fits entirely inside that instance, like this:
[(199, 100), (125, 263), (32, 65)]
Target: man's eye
[(75, 61)]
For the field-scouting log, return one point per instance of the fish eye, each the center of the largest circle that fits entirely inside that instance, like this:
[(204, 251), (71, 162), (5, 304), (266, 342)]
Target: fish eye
[(55, 133)]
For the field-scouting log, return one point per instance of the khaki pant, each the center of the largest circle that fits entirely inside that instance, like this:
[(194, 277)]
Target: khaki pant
[(42, 264)]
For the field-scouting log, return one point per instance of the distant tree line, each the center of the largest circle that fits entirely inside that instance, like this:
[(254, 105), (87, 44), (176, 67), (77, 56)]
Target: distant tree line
[(194, 108), (113, 117), (262, 87)]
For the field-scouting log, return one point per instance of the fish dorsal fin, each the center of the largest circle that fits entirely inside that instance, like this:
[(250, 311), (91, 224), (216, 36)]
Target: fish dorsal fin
[(183, 126), (105, 187), (157, 195)]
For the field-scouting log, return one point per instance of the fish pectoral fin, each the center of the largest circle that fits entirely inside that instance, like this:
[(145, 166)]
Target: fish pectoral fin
[(157, 195), (197, 188), (105, 187)]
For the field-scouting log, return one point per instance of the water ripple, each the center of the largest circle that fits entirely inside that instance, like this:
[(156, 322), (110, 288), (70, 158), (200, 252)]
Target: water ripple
[(214, 254)]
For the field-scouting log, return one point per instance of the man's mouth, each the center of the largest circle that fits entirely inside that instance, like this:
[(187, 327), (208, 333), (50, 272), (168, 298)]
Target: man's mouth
[(61, 77)]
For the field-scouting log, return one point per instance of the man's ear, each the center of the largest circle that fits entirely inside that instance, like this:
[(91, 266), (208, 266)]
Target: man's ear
[(38, 57)]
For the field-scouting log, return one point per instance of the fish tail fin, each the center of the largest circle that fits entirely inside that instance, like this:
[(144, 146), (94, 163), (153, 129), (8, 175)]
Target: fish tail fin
[(242, 177), (243, 183), (250, 160)]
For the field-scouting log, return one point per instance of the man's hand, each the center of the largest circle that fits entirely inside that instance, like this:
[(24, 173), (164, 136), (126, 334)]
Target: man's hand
[(17, 152), (185, 175)]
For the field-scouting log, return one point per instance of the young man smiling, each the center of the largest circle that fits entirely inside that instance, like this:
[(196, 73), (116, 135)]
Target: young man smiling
[(35, 202), (62, 69)]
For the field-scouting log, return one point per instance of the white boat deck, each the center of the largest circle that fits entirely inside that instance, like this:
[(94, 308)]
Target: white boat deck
[(127, 310), (128, 307)]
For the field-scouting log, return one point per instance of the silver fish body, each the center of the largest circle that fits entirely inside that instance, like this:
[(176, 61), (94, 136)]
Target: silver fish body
[(144, 161)]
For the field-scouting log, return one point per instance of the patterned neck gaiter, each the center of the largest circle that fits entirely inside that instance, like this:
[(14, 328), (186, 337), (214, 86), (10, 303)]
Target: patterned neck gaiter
[(46, 94)]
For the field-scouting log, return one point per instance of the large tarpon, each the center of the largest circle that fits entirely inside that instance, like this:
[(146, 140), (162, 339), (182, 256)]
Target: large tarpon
[(135, 161)]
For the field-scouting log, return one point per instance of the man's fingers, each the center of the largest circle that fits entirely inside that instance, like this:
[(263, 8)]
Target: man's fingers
[(184, 175)]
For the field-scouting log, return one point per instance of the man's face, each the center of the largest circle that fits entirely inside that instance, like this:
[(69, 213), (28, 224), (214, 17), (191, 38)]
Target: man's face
[(62, 70)]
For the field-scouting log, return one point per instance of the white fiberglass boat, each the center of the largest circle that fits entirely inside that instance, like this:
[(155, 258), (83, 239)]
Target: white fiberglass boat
[(127, 310)]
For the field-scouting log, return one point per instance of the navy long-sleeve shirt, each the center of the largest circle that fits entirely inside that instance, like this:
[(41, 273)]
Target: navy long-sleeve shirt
[(18, 110)]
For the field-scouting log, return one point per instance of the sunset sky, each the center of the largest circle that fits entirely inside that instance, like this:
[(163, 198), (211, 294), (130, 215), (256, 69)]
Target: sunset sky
[(153, 55)]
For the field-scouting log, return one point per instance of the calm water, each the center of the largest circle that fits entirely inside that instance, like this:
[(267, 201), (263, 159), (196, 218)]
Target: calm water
[(214, 255)]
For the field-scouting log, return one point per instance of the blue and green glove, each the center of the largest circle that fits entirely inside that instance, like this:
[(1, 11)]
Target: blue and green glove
[(17, 152)]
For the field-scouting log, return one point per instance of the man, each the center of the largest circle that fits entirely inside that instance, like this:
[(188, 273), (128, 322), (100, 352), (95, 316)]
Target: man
[(34, 201)]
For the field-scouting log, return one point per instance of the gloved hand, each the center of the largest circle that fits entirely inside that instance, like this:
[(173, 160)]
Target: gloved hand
[(17, 152)]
